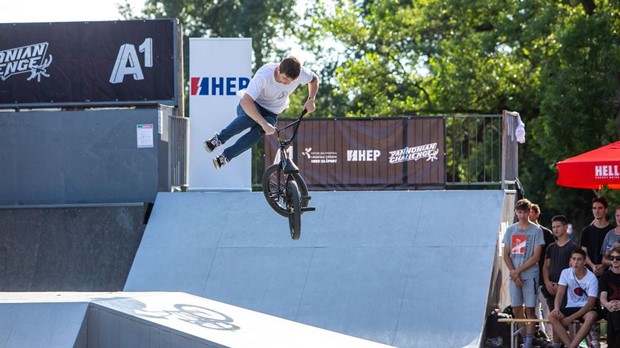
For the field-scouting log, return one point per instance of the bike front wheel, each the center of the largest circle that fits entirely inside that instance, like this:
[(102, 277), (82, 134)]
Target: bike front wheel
[(294, 208), (275, 195)]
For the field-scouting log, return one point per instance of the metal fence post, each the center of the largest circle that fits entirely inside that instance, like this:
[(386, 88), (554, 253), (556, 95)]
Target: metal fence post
[(510, 154)]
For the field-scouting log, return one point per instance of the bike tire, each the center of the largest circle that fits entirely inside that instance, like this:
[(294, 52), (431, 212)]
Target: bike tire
[(270, 190), (294, 206)]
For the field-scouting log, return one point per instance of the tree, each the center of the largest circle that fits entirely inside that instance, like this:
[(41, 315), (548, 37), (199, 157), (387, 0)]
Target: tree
[(264, 21), (556, 62), (580, 88), (426, 56)]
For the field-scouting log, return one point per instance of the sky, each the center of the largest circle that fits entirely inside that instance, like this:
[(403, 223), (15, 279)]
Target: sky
[(26, 11), (23, 11)]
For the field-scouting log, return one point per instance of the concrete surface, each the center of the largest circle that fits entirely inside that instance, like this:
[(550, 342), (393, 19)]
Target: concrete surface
[(133, 320), (408, 269)]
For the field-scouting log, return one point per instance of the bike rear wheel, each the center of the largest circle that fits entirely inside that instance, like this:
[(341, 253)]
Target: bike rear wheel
[(275, 196), (294, 207)]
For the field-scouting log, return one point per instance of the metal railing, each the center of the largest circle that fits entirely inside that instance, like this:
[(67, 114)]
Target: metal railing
[(481, 150), (178, 151)]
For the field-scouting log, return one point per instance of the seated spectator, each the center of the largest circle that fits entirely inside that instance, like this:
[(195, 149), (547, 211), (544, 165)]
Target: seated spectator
[(581, 288), (610, 298)]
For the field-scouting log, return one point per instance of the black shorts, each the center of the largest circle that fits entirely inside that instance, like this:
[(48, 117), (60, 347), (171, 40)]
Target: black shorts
[(568, 311)]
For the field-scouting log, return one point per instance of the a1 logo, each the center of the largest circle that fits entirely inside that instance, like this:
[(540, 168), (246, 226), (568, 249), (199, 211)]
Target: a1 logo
[(127, 62)]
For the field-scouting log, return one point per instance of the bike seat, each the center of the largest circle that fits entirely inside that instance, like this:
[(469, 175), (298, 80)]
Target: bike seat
[(290, 167)]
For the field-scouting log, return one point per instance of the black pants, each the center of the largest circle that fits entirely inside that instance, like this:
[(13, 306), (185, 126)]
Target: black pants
[(613, 329)]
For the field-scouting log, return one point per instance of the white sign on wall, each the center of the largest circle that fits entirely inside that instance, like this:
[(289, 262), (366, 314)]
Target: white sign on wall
[(218, 68)]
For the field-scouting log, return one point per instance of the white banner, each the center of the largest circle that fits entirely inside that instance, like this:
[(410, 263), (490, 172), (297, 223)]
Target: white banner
[(218, 68)]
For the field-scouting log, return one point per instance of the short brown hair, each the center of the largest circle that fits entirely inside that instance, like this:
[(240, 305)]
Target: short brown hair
[(601, 200), (523, 204), (561, 218), (580, 252), (291, 67)]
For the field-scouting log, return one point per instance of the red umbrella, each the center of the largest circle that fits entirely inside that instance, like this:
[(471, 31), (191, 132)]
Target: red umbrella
[(593, 169)]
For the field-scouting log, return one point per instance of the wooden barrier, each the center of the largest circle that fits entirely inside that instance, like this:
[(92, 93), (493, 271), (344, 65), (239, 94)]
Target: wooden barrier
[(514, 321)]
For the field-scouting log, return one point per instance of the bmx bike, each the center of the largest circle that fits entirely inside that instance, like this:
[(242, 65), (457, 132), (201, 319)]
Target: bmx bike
[(283, 186)]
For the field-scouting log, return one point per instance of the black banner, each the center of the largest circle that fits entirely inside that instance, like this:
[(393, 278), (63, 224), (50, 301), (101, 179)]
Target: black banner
[(367, 154), (88, 63)]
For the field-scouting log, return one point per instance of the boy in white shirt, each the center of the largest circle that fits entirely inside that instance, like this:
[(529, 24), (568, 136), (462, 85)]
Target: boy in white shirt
[(581, 288)]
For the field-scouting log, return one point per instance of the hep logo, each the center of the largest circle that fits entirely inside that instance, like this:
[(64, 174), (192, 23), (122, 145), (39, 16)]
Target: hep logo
[(217, 85)]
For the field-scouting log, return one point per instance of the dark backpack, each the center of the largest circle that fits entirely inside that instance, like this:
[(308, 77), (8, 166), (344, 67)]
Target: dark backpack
[(494, 330)]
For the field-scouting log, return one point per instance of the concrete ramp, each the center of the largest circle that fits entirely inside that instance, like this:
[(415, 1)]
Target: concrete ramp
[(43, 324), (123, 319), (408, 269)]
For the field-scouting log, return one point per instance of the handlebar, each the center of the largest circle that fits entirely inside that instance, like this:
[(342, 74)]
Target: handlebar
[(295, 123)]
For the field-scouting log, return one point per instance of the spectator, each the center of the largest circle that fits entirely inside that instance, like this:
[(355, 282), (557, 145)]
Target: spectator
[(523, 243), (610, 298), (612, 239), (549, 238), (581, 288), (592, 238), (557, 259)]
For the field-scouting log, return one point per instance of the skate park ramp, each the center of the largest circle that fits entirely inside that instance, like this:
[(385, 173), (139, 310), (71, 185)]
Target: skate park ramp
[(154, 319), (402, 268)]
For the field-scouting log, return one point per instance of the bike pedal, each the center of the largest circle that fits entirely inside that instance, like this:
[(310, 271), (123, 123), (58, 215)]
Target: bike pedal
[(307, 198), (308, 209)]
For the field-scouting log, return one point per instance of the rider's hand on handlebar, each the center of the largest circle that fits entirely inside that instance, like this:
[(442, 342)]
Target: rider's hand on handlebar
[(269, 129), (309, 105)]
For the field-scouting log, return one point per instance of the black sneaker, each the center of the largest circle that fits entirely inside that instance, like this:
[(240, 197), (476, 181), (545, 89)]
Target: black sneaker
[(212, 144), (219, 161)]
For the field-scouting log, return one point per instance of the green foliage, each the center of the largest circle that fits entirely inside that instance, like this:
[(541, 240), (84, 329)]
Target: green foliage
[(579, 89), (427, 56), (473, 149), (579, 107), (265, 21), (556, 62)]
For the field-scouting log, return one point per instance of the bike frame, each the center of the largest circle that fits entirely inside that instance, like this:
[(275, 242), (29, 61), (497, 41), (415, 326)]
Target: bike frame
[(286, 164), (287, 194)]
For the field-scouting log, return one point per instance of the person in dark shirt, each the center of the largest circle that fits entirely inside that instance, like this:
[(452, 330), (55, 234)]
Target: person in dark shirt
[(592, 238), (557, 258), (549, 238), (593, 235), (609, 286)]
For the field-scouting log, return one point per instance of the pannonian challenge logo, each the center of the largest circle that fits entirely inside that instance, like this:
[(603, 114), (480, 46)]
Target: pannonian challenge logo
[(428, 151), (30, 59)]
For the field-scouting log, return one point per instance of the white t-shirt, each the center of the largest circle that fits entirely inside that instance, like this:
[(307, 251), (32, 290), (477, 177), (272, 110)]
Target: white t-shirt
[(273, 95), (578, 290)]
